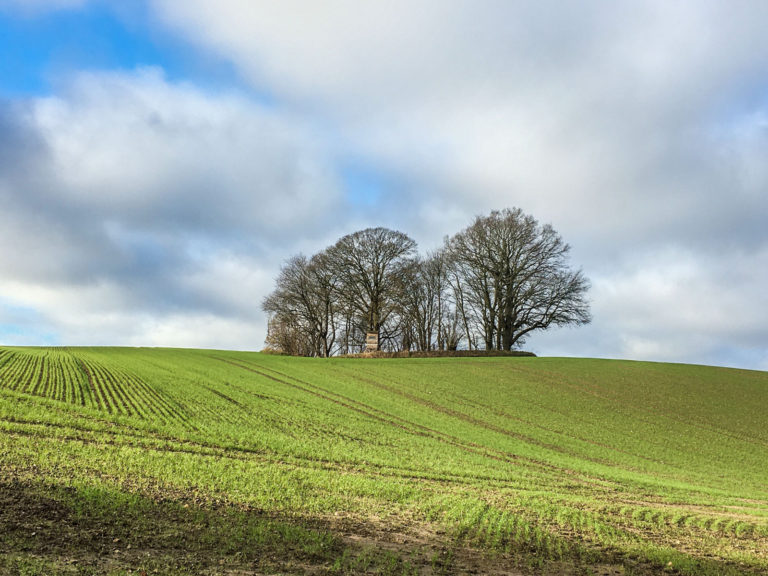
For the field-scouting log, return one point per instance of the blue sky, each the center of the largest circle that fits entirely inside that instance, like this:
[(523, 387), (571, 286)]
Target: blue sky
[(159, 160), (42, 49)]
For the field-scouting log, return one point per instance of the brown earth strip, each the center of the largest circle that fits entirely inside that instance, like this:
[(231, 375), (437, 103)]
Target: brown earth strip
[(60, 530)]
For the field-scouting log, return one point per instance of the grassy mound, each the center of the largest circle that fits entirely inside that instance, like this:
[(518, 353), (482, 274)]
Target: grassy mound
[(245, 462)]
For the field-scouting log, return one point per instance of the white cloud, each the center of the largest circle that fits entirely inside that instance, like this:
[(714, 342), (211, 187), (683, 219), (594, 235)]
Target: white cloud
[(131, 142), (677, 305), (638, 130), (558, 110), (153, 208)]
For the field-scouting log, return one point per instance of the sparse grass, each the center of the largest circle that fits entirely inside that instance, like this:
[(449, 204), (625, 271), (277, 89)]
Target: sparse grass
[(536, 463)]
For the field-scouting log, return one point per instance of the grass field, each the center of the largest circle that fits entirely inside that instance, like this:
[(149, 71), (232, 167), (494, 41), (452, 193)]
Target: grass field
[(118, 461)]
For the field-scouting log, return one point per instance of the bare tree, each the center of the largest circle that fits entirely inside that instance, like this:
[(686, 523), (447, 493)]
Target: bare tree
[(371, 266), (494, 283), (285, 334), (428, 317), (511, 276), (303, 307)]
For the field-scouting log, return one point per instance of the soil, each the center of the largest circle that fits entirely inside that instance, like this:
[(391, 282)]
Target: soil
[(53, 530)]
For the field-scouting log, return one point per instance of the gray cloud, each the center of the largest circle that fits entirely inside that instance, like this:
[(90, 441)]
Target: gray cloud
[(608, 106), (135, 209), (678, 305), (637, 129)]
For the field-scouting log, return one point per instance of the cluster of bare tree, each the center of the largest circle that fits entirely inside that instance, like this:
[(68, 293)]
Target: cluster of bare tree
[(490, 286)]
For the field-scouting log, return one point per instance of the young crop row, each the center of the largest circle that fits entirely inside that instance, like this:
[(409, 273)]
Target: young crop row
[(50, 373), (67, 376)]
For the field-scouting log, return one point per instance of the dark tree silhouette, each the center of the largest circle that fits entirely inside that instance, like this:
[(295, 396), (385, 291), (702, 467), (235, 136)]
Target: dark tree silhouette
[(372, 268), (492, 284), (513, 277), (303, 308)]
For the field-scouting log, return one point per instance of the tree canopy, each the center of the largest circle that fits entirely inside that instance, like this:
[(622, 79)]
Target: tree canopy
[(514, 278), (489, 286)]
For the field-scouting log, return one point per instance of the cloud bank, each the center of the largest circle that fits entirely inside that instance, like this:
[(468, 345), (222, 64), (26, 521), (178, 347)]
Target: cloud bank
[(640, 131), (136, 210)]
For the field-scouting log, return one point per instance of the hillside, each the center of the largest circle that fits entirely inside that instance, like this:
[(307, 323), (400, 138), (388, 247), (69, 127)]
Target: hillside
[(202, 461)]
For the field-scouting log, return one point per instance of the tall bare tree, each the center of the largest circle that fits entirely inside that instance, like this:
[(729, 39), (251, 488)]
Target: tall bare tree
[(428, 316), (303, 306), (371, 266), (512, 277)]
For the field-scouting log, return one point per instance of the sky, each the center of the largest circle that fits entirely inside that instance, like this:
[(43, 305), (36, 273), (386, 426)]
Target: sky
[(160, 159)]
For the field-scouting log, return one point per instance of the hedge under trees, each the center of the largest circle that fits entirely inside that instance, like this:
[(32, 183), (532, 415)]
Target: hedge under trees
[(488, 287)]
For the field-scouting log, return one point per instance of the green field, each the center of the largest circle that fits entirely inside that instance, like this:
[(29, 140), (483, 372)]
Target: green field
[(117, 460)]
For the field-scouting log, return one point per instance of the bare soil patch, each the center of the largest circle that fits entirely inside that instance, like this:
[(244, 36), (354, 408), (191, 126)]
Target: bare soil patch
[(48, 529)]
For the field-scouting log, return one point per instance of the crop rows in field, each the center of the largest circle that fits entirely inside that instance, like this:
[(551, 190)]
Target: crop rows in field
[(61, 375), (561, 457), (118, 391), (47, 373)]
